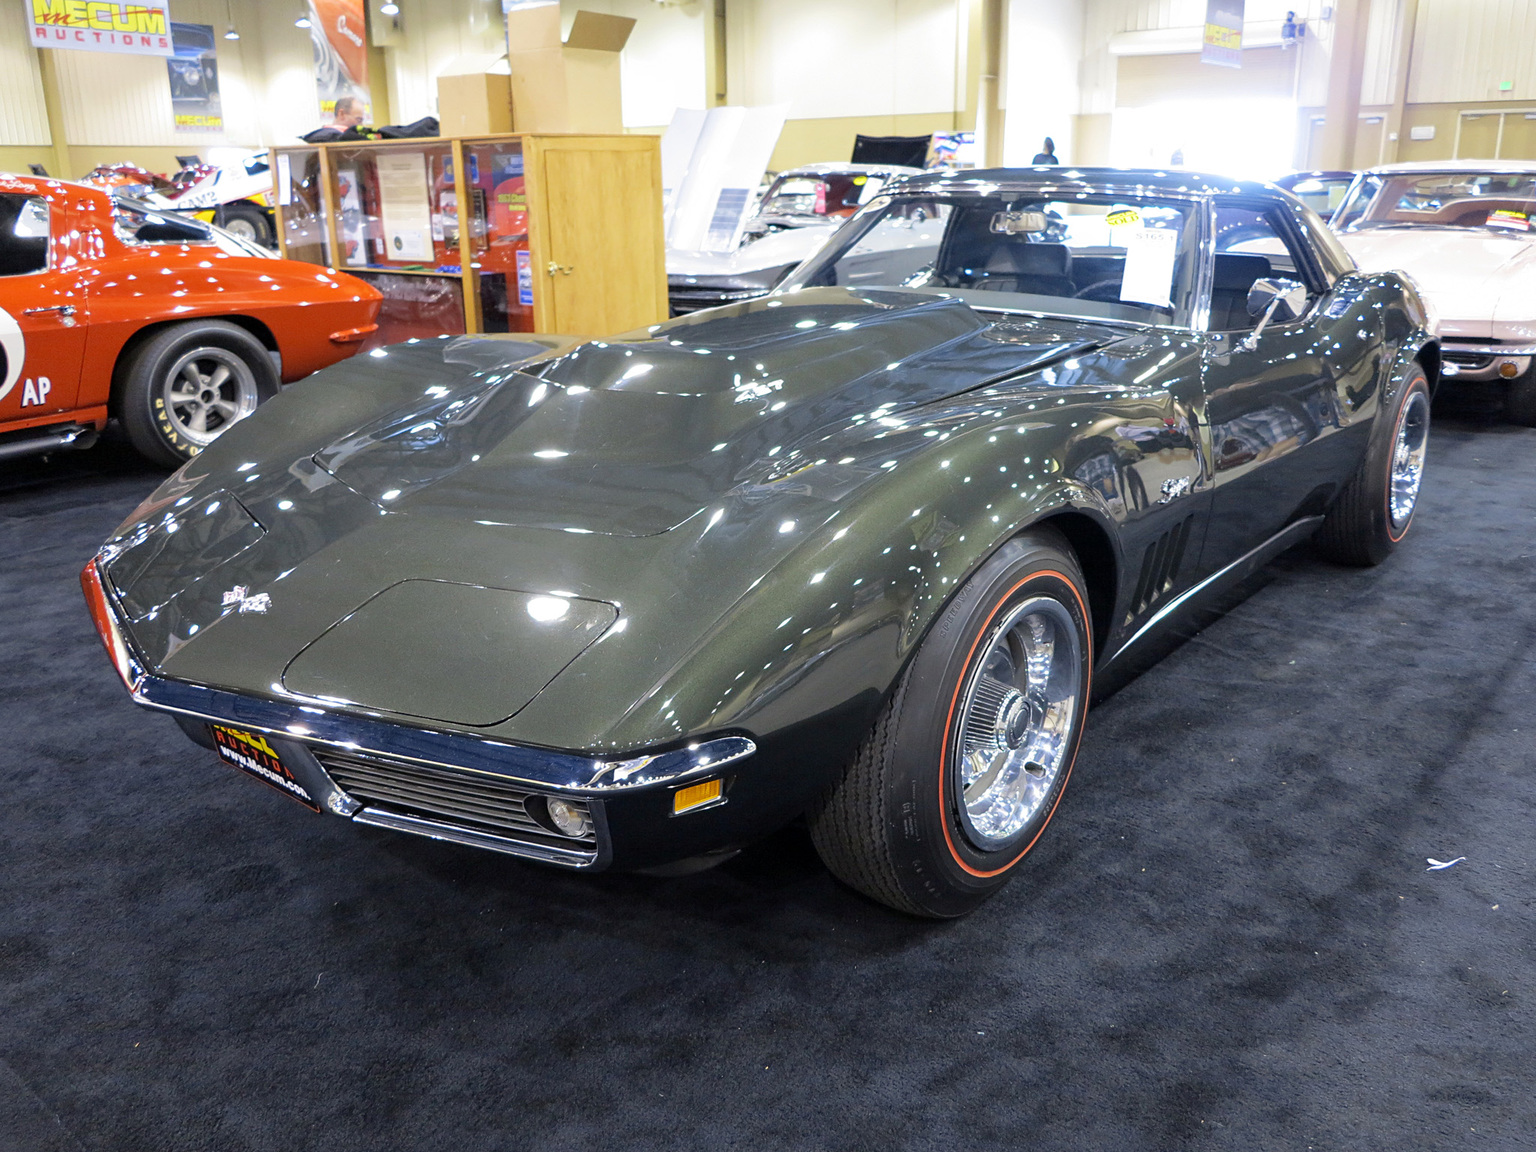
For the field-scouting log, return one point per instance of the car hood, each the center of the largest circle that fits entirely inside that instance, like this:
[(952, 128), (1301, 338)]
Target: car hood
[(772, 251), (633, 437), (381, 536), (1479, 282)]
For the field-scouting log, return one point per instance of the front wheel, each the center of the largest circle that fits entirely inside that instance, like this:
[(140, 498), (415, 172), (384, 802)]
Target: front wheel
[(1520, 400), (187, 384), (1373, 512), (968, 759)]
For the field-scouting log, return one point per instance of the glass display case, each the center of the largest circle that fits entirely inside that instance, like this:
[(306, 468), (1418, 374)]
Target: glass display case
[(509, 233)]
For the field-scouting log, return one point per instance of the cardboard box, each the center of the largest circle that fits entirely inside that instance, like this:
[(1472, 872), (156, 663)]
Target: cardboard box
[(476, 104), (569, 86)]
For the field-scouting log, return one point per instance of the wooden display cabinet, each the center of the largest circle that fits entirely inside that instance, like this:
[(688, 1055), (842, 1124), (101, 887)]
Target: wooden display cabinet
[(565, 232)]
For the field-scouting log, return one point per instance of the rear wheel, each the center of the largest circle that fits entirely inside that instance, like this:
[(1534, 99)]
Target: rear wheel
[(246, 220), (1376, 507), (968, 759), (189, 383)]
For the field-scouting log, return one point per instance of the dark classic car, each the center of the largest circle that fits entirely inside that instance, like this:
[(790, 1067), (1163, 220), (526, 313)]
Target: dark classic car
[(854, 552)]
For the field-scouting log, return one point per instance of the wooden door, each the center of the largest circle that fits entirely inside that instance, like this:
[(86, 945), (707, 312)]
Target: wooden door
[(598, 254)]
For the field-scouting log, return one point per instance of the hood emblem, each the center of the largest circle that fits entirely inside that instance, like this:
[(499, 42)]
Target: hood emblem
[(239, 594)]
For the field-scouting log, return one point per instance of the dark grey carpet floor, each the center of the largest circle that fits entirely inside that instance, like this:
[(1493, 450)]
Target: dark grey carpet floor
[(1228, 940)]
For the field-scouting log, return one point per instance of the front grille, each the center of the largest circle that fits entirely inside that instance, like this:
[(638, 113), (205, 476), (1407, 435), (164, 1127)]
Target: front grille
[(685, 300), (1472, 361), (473, 802)]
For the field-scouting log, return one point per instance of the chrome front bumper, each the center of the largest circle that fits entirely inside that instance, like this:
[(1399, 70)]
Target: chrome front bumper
[(1471, 363), (447, 785)]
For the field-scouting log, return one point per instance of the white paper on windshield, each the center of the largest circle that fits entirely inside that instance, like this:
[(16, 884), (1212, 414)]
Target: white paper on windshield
[(1149, 255), (284, 179), (404, 208)]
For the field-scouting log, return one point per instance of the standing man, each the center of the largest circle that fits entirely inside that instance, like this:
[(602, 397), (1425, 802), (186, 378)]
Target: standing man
[(1048, 156)]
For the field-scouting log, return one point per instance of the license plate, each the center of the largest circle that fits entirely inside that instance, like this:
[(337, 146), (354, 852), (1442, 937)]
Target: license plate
[(252, 754)]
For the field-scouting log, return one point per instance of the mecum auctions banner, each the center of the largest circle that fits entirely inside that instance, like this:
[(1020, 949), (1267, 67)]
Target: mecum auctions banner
[(338, 30), (142, 27), (1223, 40)]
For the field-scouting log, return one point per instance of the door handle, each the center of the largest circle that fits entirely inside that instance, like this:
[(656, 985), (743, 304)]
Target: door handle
[(65, 310), (555, 266)]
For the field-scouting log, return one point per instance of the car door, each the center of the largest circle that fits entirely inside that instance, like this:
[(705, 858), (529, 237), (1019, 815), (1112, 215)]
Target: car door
[(1271, 397), (42, 334)]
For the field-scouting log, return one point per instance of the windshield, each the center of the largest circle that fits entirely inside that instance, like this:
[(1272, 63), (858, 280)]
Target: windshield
[(136, 222), (1502, 201), (823, 194), (1322, 194), (1097, 257)]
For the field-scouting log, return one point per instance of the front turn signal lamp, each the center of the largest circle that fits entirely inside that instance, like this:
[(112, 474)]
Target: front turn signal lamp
[(698, 796), (106, 625)]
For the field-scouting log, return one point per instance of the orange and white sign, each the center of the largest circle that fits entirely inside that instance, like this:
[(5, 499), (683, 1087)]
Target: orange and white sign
[(142, 27), (339, 29)]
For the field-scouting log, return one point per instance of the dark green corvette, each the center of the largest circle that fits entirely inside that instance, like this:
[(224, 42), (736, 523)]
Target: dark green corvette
[(855, 551)]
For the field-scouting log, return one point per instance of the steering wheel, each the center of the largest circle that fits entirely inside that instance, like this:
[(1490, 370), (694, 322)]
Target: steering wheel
[(1108, 292)]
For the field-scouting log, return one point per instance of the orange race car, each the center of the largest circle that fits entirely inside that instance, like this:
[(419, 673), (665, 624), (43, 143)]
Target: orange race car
[(112, 308)]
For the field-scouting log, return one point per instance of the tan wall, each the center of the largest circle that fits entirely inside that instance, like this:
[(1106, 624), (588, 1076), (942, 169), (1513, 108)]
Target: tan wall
[(1479, 137), (1091, 134)]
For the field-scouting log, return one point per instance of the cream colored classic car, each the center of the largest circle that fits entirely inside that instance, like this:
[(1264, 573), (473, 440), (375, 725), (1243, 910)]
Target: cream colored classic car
[(1465, 230)]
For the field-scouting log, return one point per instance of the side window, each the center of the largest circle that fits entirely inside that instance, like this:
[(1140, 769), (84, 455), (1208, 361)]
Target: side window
[(23, 234), (1248, 247)]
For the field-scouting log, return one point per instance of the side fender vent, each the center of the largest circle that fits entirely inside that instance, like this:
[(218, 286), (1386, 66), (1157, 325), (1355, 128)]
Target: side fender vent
[(1160, 566)]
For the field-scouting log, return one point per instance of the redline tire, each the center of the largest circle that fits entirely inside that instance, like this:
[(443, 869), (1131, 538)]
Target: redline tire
[(1362, 527), (911, 823)]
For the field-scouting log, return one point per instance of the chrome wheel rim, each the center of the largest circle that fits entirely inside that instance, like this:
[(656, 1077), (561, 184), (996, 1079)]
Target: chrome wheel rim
[(1408, 453), (205, 391), (243, 228), (1016, 727)]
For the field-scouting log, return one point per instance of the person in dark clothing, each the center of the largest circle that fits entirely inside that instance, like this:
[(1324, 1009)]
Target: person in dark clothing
[(344, 125), (1048, 156)]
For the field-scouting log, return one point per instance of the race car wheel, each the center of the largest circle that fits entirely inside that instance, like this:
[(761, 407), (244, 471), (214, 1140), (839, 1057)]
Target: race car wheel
[(1520, 400), (187, 384), (247, 221), (967, 761), (1375, 509)]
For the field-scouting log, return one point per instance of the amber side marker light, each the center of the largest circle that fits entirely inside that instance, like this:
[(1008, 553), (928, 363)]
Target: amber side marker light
[(1509, 370), (697, 795), (106, 627)]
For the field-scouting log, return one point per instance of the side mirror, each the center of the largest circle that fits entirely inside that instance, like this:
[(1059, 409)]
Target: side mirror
[(1279, 300)]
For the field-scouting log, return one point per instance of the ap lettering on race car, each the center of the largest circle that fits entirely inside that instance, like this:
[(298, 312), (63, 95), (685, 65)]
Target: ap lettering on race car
[(35, 392)]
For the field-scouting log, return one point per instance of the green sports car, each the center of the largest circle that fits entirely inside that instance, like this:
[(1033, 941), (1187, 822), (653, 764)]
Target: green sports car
[(854, 552)]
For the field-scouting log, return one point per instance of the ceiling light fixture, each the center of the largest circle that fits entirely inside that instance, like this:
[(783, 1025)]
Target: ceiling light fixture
[(303, 20), (231, 34), (229, 18), (389, 9)]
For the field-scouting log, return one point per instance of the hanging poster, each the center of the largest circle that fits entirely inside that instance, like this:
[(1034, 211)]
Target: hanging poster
[(338, 29), (194, 73), (1223, 41), (142, 27)]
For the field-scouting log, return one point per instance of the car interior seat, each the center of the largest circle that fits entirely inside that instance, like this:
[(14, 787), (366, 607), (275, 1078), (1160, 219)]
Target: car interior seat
[(1039, 269), (1235, 274)]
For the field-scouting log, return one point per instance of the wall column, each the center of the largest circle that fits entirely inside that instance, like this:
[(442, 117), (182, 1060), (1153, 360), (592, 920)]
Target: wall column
[(989, 114), (60, 165), (1407, 21), (1346, 72)]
